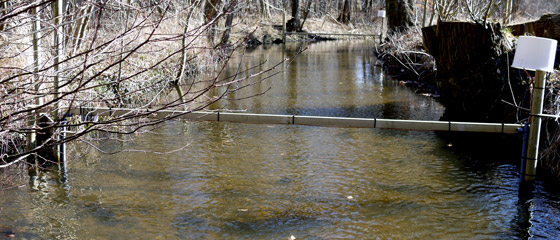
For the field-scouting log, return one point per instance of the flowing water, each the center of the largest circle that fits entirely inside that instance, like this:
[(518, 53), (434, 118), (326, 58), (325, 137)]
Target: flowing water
[(207, 180)]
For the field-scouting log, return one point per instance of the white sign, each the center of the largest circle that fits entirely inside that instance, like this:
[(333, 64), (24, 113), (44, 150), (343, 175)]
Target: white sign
[(381, 13)]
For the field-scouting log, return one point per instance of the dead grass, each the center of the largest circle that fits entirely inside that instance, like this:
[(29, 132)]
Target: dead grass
[(551, 151)]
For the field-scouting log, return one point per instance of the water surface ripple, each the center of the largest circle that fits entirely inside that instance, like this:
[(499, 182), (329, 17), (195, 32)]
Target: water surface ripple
[(247, 181)]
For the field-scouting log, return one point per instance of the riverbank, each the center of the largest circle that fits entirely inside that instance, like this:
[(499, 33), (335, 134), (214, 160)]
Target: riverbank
[(270, 32), (128, 56), (264, 181), (404, 56)]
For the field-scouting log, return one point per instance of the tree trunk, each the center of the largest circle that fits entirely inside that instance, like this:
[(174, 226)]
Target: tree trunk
[(305, 14), (293, 24), (210, 13), (229, 21), (4, 7), (345, 16), (181, 73), (295, 9), (36, 47), (471, 64), (58, 42), (425, 10), (508, 8), (80, 27), (265, 6), (399, 14)]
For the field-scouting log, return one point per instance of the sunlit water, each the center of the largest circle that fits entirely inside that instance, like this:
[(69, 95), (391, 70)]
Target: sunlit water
[(245, 181)]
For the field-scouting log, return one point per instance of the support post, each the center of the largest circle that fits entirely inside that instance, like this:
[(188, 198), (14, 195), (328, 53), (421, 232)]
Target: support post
[(536, 54), (381, 33), (525, 131), (382, 14), (60, 149), (535, 127)]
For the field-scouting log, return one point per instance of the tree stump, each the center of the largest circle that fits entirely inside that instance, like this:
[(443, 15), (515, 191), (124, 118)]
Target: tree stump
[(292, 25), (472, 67)]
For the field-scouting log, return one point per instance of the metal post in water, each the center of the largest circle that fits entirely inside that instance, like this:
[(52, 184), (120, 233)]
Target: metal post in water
[(381, 13), (535, 54), (535, 127), (525, 131), (381, 33), (60, 149)]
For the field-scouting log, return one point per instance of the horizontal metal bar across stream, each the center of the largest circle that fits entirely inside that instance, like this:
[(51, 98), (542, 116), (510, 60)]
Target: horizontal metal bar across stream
[(418, 125), (334, 34)]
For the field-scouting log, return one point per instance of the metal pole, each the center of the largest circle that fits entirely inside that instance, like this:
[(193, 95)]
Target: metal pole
[(309, 120), (381, 33), (535, 128), (60, 150), (525, 131)]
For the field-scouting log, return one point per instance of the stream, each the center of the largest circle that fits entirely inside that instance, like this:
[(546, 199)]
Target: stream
[(215, 180)]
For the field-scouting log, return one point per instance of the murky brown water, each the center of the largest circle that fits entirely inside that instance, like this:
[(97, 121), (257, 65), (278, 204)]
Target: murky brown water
[(243, 181)]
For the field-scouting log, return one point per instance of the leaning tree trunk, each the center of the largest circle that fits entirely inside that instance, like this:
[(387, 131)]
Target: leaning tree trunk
[(305, 14), (399, 14)]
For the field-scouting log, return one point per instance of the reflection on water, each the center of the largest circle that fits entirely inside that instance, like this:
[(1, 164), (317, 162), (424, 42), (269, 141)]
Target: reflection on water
[(329, 79), (240, 181)]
